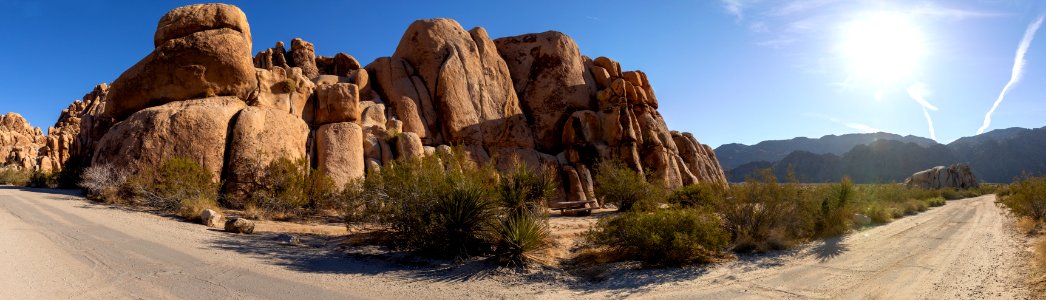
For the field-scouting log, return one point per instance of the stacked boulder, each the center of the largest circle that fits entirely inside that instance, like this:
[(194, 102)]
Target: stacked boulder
[(20, 143), (958, 176), (531, 99)]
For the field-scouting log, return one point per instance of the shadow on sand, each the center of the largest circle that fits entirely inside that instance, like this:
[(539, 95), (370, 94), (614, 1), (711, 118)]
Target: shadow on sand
[(830, 248)]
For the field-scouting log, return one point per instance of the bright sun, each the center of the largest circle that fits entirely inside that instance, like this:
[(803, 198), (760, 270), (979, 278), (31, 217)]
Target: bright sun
[(882, 48)]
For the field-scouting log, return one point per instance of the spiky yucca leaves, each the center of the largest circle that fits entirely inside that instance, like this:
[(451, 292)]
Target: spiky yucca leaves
[(525, 189), (519, 235), (462, 218)]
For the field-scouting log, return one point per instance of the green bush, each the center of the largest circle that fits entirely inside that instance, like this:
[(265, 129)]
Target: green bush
[(281, 190), (175, 181), (936, 201), (322, 192), (663, 237), (763, 215), (617, 184), (38, 179), (699, 195), (13, 176), (1027, 197), (836, 216)]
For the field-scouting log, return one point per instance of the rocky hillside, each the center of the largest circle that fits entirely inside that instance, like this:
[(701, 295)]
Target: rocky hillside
[(530, 99), (734, 155), (996, 156)]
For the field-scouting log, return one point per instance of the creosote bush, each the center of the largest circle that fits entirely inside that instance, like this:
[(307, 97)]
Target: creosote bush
[(1027, 197), (175, 181), (281, 191), (14, 176), (621, 186), (664, 237)]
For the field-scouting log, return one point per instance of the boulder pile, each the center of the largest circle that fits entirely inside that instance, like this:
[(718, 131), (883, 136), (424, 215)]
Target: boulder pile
[(955, 176), (530, 99)]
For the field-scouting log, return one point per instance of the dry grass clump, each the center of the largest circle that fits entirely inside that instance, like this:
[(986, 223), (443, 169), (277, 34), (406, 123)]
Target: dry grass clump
[(1027, 225)]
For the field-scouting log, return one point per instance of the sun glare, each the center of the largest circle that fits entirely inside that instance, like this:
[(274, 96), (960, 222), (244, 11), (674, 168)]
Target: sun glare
[(882, 48)]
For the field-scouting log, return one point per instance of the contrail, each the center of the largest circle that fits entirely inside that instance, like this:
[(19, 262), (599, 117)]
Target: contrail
[(918, 92), (929, 121), (1018, 69)]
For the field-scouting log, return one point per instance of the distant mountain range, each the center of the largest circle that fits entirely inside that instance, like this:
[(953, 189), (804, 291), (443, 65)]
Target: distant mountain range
[(995, 156)]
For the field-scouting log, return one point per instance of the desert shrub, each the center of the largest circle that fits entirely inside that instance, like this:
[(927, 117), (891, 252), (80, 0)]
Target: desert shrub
[(951, 194), (617, 184), (835, 215), (437, 205), (14, 176), (913, 206), (763, 215), (103, 183), (322, 192), (281, 190), (878, 212), (936, 201), (1027, 225), (39, 179), (663, 237), (699, 195), (1027, 197), (176, 180), (191, 208)]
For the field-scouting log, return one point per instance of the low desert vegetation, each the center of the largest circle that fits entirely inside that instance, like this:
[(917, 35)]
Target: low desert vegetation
[(1026, 199), (14, 176), (702, 222), (445, 206)]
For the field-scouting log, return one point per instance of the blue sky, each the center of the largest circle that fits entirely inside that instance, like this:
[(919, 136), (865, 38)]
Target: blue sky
[(728, 71)]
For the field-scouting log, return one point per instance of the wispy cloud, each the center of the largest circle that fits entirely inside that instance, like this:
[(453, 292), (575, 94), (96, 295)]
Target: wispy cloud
[(735, 8), (798, 6), (919, 92), (933, 10), (1016, 73)]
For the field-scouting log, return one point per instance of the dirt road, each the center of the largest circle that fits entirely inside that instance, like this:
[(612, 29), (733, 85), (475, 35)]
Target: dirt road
[(58, 246)]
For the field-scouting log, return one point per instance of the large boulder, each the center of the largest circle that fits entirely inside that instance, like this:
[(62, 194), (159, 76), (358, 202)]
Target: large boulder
[(955, 176), (286, 90), (339, 151), (336, 103), (550, 79), (407, 97), (303, 55), (468, 83), (186, 20), (194, 129), (201, 51), (260, 136)]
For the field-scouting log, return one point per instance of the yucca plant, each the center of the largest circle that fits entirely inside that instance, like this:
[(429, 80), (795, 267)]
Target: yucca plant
[(462, 217), (525, 190), (519, 235)]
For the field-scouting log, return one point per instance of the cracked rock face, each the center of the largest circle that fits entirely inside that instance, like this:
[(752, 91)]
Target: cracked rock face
[(955, 176)]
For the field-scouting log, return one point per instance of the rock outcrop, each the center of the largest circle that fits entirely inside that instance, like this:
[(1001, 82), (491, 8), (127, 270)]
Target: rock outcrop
[(20, 143), (531, 99), (955, 176)]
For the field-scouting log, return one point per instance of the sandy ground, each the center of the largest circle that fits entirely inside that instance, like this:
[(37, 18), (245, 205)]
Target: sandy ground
[(53, 245)]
